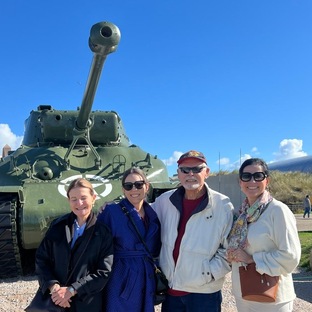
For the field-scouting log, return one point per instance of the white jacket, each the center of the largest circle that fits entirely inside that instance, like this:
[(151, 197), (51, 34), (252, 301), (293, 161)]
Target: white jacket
[(275, 246), (202, 249)]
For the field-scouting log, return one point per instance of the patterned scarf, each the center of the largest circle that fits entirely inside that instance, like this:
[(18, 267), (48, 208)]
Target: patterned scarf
[(248, 214)]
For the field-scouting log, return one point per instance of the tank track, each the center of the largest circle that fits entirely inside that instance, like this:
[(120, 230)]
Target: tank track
[(10, 261)]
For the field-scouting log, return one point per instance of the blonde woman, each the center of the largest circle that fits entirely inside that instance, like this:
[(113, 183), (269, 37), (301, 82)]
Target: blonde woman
[(77, 247)]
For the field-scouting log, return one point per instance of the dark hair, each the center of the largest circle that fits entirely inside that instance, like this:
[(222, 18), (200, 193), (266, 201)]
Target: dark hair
[(135, 170), (80, 182), (254, 161)]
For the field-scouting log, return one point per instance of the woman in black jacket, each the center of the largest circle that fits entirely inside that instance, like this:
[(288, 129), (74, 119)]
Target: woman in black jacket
[(74, 260)]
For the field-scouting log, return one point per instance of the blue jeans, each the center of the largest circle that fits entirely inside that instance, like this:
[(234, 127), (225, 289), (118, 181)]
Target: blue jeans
[(193, 302), (306, 212)]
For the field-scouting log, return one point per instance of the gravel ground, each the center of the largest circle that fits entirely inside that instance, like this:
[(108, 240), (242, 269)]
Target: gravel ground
[(16, 293)]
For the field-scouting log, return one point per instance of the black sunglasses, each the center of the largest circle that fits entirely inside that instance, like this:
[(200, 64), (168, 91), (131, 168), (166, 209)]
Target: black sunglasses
[(257, 176), (187, 170), (129, 185)]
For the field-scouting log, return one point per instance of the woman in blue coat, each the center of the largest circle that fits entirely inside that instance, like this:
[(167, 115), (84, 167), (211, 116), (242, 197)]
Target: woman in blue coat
[(131, 286)]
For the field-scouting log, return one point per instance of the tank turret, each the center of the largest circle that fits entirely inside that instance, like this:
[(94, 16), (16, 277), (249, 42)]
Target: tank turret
[(58, 147)]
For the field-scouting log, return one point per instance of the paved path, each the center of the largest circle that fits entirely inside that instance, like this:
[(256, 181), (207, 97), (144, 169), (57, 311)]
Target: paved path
[(304, 224), (303, 280)]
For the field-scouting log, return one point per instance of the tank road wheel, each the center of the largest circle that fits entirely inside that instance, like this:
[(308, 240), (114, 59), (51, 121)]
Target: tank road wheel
[(10, 262)]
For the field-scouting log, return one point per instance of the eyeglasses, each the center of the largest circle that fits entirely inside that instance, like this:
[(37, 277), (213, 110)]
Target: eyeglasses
[(187, 170), (257, 176), (128, 186)]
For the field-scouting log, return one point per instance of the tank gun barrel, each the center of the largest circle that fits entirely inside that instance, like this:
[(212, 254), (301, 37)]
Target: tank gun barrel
[(103, 40)]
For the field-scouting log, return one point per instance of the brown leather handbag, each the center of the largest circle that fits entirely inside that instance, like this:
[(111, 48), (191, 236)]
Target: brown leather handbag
[(257, 287)]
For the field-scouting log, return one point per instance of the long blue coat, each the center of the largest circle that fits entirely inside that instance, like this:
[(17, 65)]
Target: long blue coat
[(131, 285)]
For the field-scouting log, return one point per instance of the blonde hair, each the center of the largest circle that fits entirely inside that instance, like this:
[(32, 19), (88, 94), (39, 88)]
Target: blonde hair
[(80, 182)]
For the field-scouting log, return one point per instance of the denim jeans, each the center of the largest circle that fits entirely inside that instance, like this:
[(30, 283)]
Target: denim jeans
[(306, 212), (193, 302)]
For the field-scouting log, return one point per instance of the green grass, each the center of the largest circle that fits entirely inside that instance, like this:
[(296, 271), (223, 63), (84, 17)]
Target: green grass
[(306, 247)]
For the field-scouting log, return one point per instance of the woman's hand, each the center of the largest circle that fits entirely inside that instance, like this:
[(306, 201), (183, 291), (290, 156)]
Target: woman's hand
[(239, 255), (105, 204), (54, 288), (62, 297)]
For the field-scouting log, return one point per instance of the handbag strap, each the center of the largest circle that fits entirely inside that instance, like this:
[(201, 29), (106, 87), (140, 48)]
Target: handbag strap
[(127, 213)]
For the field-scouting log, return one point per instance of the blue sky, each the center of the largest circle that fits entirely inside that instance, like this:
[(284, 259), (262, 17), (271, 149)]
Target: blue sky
[(232, 79)]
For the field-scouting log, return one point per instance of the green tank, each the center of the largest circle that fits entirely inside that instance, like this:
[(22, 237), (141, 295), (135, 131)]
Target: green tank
[(59, 146)]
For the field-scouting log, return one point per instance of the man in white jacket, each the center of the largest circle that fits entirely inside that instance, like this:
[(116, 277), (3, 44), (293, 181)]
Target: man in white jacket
[(195, 222)]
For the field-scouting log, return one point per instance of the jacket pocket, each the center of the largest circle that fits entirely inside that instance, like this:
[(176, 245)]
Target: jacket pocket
[(129, 283)]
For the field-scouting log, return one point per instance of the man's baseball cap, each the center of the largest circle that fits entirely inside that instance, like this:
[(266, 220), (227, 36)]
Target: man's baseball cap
[(192, 155)]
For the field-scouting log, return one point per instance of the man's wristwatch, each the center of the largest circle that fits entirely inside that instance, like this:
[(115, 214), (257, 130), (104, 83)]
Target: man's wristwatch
[(71, 289)]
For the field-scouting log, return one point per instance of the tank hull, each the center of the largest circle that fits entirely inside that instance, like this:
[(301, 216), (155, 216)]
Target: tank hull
[(33, 192)]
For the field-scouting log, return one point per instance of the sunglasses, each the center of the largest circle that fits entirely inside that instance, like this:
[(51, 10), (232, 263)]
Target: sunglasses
[(257, 176), (187, 170), (128, 186)]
